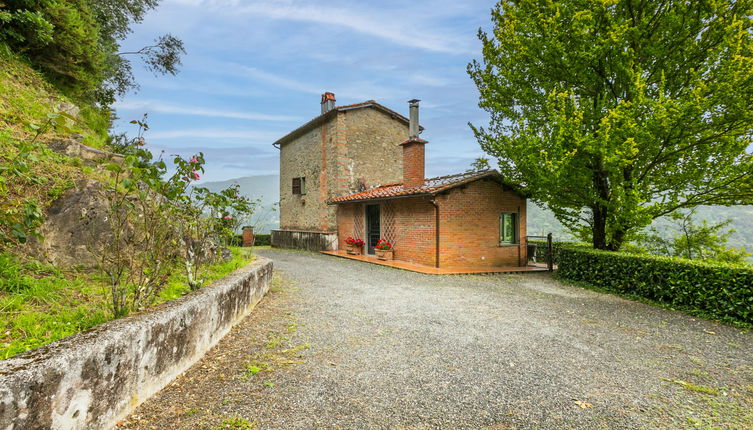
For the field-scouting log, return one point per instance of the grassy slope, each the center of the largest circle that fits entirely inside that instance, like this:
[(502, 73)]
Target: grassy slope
[(40, 303), (53, 304)]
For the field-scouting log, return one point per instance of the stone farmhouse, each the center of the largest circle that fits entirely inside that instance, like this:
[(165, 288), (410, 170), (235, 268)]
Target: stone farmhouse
[(351, 172)]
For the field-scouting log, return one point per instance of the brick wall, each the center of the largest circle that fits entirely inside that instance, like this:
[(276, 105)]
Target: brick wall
[(469, 226), (412, 227), (415, 230), (413, 164)]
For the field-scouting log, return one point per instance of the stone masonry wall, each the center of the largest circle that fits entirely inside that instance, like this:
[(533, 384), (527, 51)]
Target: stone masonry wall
[(306, 157), (92, 379), (469, 226), (355, 145), (372, 153)]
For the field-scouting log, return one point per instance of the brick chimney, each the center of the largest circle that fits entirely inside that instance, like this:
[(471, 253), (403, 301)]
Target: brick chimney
[(328, 102), (413, 151)]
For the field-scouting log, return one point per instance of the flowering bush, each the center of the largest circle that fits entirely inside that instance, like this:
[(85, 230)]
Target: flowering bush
[(354, 242), (384, 245)]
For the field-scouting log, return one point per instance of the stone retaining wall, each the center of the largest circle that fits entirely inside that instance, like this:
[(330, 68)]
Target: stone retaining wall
[(92, 379)]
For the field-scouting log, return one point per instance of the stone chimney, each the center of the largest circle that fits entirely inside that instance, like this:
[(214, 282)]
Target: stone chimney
[(328, 102), (413, 151)]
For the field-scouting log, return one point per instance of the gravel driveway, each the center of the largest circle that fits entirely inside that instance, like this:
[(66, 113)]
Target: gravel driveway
[(348, 345)]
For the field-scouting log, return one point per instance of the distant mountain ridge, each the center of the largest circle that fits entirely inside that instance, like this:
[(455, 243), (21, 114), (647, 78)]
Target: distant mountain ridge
[(540, 221), (263, 187)]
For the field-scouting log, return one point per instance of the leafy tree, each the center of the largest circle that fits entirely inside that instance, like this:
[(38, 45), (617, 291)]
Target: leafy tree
[(76, 43), (479, 164), (60, 37), (694, 241), (615, 113), (115, 18)]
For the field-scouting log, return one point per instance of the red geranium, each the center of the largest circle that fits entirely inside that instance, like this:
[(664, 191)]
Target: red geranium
[(354, 242), (383, 245)]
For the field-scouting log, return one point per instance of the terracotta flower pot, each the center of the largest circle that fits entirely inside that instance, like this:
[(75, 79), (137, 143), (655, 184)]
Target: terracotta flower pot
[(352, 249), (384, 254)]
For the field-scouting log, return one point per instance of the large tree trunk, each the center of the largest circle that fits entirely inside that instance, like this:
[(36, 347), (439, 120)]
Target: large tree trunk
[(599, 209), (599, 227), (615, 242)]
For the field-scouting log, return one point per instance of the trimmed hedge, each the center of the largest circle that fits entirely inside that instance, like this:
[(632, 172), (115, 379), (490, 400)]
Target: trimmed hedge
[(717, 290)]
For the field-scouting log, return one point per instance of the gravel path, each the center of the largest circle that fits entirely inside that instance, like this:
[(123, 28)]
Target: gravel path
[(339, 344)]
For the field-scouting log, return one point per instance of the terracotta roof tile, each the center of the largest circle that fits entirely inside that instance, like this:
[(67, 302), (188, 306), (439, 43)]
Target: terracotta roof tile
[(430, 186)]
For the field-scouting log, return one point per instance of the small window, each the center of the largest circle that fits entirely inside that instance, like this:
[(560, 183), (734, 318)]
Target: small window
[(299, 185), (508, 229)]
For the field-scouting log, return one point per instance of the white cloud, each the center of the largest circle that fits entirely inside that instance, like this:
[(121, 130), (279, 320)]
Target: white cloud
[(276, 79), (383, 27), (154, 106), (404, 27), (217, 133)]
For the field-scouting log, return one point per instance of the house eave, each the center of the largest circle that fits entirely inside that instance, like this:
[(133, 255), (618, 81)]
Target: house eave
[(378, 199), (327, 115)]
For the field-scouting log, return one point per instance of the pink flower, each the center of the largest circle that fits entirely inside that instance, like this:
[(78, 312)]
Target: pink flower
[(227, 217), (193, 160), (195, 174), (236, 195)]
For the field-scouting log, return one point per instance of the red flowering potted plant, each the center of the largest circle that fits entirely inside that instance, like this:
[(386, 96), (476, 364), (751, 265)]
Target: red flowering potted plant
[(384, 250), (354, 246)]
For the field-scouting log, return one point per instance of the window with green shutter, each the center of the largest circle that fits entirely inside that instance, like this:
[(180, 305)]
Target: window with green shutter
[(508, 229)]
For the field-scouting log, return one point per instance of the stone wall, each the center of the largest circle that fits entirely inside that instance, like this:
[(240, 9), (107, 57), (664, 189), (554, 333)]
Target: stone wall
[(353, 147), (92, 379), (305, 157), (374, 154)]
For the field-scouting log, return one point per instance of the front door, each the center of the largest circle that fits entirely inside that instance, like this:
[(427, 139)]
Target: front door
[(372, 228)]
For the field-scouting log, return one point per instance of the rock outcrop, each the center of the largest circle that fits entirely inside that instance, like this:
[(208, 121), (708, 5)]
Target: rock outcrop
[(74, 223)]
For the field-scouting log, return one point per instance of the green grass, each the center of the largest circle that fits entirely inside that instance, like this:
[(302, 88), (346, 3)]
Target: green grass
[(235, 422), (695, 388), (26, 98), (40, 304)]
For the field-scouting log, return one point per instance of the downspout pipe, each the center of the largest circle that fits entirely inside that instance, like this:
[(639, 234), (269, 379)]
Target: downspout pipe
[(436, 234)]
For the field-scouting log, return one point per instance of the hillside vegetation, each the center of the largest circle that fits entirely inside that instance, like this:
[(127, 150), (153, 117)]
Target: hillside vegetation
[(34, 115), (133, 236)]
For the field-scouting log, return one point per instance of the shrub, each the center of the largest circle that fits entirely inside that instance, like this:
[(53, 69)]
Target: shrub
[(718, 290)]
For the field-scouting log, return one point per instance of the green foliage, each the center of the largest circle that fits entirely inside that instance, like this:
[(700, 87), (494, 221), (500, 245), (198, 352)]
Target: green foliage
[(718, 290), (39, 304), (158, 221), (76, 43), (236, 422), (617, 113), (702, 241), (60, 37)]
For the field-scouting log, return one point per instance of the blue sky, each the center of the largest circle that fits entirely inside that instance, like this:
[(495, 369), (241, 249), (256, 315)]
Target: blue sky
[(255, 70)]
